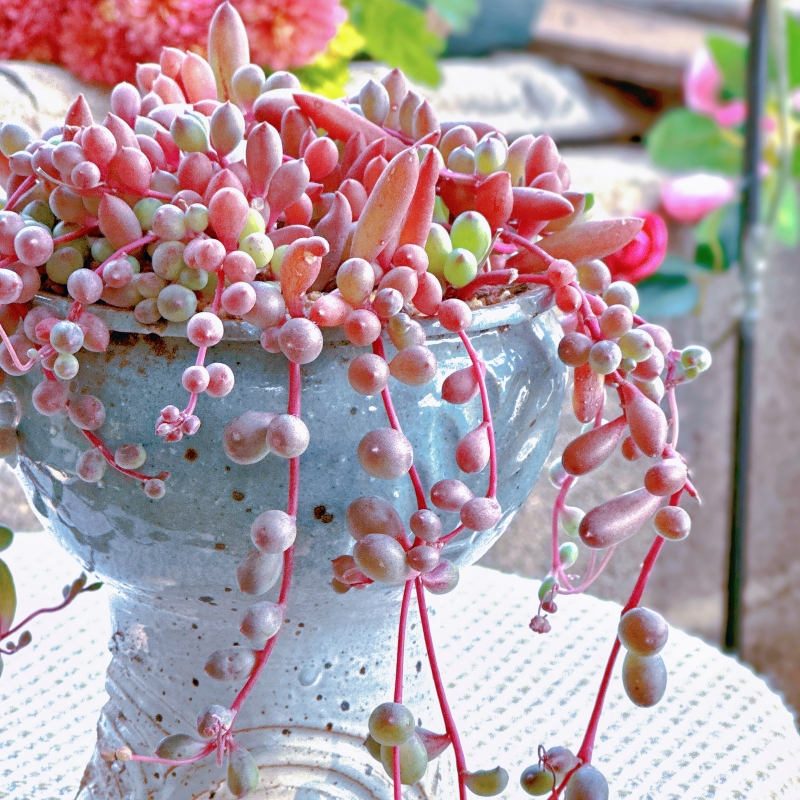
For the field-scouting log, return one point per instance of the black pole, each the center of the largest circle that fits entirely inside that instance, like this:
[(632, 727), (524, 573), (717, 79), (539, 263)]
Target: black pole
[(750, 253)]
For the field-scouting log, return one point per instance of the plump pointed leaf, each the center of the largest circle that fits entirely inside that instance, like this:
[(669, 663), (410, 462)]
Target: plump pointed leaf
[(6, 537), (582, 242)]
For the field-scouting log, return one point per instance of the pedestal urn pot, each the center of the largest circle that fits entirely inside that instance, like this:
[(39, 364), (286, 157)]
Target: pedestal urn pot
[(170, 564)]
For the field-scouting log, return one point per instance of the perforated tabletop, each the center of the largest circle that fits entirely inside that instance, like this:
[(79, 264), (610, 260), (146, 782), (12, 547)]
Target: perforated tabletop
[(719, 732)]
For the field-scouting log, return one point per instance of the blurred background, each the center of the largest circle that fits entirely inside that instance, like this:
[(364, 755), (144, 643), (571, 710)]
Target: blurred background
[(645, 99)]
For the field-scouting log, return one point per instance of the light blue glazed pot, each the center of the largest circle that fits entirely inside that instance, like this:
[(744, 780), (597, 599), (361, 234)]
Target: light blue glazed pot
[(171, 563)]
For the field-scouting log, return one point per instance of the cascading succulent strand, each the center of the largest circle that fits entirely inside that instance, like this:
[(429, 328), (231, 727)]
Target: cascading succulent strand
[(209, 197)]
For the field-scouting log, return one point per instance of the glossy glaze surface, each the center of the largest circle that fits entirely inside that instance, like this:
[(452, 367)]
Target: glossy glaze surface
[(172, 562)]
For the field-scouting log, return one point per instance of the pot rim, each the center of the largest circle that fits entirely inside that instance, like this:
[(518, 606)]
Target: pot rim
[(536, 300)]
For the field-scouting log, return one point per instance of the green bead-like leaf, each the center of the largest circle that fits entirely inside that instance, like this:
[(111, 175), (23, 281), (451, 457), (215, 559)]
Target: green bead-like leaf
[(8, 598), (6, 538), (242, 773), (682, 141), (731, 58)]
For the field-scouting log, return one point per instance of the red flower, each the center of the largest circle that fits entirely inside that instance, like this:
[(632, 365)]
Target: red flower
[(641, 257)]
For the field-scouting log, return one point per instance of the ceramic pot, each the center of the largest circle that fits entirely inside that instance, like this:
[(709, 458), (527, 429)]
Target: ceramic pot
[(170, 563)]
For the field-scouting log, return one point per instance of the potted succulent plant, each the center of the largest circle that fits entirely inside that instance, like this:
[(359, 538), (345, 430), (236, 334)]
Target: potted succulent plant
[(351, 297)]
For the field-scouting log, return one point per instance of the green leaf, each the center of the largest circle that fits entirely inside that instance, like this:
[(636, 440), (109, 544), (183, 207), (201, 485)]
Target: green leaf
[(682, 141), (717, 238), (796, 162), (6, 538), (673, 265), (664, 296), (328, 79), (328, 73), (8, 598), (397, 34), (458, 14), (93, 587), (731, 58), (793, 49), (787, 222)]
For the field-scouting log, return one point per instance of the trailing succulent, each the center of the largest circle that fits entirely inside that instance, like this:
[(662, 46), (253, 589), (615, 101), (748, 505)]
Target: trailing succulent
[(210, 193)]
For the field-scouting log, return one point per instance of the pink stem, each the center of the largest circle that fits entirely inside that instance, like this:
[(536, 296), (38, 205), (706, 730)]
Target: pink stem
[(532, 278), (201, 351), (398, 682), (521, 241), (32, 616), (69, 237), (459, 177), (12, 353), (21, 190), (487, 413), (449, 721), (109, 457), (207, 750), (401, 643), (587, 747), (450, 536), (262, 656), (379, 350), (128, 248), (499, 277)]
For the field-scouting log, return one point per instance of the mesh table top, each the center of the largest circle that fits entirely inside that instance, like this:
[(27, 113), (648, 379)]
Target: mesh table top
[(718, 733)]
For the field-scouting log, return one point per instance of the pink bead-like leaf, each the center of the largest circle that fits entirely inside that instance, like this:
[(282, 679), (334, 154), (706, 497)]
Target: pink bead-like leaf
[(228, 48), (301, 265), (618, 519)]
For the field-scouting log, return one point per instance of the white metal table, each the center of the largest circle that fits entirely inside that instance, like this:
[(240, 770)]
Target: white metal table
[(719, 732)]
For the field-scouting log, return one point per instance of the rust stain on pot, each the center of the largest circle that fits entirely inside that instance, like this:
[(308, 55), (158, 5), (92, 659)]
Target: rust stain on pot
[(237, 496), (190, 454)]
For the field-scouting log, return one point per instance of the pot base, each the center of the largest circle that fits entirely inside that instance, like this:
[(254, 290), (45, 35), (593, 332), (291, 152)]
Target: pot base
[(319, 765)]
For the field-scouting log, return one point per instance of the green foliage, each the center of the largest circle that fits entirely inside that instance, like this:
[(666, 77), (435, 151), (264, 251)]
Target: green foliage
[(717, 238), (731, 58), (397, 34), (671, 292), (456, 13), (796, 162), (787, 222), (328, 73), (793, 49), (682, 140), (8, 598)]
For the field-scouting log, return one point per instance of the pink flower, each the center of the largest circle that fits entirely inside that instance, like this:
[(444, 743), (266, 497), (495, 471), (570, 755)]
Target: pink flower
[(690, 198), (104, 40), (30, 30), (702, 85), (641, 257), (289, 33)]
